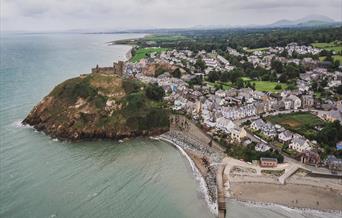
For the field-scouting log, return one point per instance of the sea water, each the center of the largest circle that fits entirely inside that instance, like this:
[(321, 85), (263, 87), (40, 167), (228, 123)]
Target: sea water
[(43, 177)]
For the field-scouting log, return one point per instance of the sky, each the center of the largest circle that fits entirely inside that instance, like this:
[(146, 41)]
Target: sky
[(106, 15)]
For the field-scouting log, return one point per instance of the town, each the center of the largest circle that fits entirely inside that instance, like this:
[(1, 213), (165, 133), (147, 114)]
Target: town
[(288, 104)]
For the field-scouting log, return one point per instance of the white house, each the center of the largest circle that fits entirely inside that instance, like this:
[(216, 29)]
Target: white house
[(238, 134), (262, 147), (297, 103), (224, 124), (257, 124), (300, 144), (285, 136)]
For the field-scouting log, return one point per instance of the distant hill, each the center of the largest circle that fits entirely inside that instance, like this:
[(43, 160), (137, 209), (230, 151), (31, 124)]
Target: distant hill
[(312, 20)]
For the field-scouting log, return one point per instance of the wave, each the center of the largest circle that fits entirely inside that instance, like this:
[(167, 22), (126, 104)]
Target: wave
[(202, 184), (19, 124), (303, 211)]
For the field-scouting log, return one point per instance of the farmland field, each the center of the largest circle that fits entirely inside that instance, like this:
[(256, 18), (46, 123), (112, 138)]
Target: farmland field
[(332, 46), (144, 52), (165, 37)]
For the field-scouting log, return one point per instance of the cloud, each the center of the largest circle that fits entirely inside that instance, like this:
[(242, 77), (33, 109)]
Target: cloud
[(110, 14)]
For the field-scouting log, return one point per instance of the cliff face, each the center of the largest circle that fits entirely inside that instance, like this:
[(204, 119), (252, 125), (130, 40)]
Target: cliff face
[(99, 106)]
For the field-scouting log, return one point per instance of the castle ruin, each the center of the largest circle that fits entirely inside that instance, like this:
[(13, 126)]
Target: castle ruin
[(117, 69)]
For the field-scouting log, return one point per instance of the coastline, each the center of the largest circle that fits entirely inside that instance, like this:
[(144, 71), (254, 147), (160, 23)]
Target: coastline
[(301, 191), (198, 171), (289, 195), (283, 210)]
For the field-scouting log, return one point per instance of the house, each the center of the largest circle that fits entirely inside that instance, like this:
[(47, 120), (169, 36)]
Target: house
[(257, 124), (334, 163), (262, 147), (269, 130), (307, 101), (287, 104), (333, 115), (224, 124), (268, 162), (238, 134), (296, 102), (285, 136), (300, 144), (310, 157)]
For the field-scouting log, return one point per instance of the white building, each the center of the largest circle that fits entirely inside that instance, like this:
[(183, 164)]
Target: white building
[(300, 144)]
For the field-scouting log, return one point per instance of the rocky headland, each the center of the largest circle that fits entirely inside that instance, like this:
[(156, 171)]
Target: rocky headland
[(100, 105)]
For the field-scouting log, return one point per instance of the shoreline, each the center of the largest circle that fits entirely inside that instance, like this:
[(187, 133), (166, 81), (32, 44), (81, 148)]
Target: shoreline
[(264, 205), (197, 172), (294, 196)]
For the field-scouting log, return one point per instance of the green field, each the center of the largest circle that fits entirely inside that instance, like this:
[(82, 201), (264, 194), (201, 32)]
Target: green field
[(256, 49), (226, 86), (332, 46), (335, 57), (300, 122), (265, 86), (144, 52), (165, 38)]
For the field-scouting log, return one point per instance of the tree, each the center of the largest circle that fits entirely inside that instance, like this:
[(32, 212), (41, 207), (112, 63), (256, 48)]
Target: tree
[(339, 89), (176, 73), (278, 87), (291, 86), (213, 76), (200, 64), (239, 83), (154, 92), (277, 66), (235, 75)]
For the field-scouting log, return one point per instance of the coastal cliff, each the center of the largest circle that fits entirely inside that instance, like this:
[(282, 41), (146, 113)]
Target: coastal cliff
[(99, 106)]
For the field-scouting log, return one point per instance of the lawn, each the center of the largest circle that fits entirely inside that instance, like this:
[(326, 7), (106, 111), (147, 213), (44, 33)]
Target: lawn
[(265, 86), (226, 86), (144, 52), (301, 122), (256, 49), (335, 57), (332, 46)]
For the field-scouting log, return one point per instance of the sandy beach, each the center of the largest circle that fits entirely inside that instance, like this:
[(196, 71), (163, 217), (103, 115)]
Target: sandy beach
[(291, 195)]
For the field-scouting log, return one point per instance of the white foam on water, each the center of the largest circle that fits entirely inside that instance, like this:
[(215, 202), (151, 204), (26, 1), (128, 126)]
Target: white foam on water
[(19, 124), (202, 184), (307, 212)]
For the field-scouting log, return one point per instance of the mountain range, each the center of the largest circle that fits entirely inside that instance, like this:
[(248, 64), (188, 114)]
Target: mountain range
[(312, 20)]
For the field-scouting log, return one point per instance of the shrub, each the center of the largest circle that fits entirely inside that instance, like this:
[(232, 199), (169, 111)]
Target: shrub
[(154, 92)]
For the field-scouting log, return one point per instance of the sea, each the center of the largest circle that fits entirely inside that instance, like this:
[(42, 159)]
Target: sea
[(41, 177)]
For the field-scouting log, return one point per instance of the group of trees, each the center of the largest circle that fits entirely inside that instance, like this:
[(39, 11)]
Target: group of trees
[(329, 136), (334, 63), (155, 92), (287, 72), (219, 39), (248, 153)]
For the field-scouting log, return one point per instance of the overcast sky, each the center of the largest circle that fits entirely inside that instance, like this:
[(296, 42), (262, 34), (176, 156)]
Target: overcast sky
[(56, 15)]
